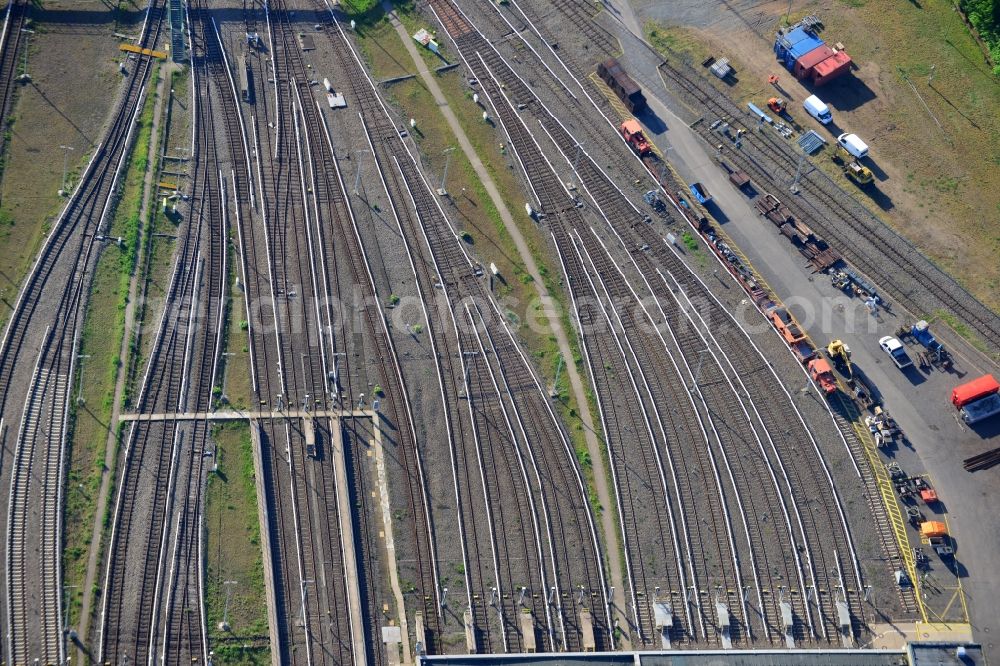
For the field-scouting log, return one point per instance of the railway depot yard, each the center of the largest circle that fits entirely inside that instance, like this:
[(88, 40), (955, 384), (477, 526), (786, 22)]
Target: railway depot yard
[(452, 331)]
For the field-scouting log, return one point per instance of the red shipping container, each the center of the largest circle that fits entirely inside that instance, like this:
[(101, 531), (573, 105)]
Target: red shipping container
[(974, 390), (803, 66), (834, 66)]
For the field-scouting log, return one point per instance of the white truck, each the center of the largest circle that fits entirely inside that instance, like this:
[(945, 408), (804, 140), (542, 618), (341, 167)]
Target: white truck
[(818, 109), (853, 144)]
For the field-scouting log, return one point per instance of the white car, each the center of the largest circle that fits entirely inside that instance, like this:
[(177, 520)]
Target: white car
[(894, 348)]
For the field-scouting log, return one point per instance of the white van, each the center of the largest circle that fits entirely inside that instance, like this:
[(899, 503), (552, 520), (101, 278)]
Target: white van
[(818, 109), (852, 144)]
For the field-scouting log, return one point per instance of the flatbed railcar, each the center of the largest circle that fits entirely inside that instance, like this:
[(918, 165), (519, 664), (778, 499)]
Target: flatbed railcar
[(246, 79)]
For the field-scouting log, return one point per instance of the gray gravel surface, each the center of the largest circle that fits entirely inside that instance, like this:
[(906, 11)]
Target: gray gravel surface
[(831, 445)]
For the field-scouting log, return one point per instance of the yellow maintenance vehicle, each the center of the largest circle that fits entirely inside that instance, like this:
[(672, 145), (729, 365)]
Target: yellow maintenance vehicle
[(861, 175), (840, 354)]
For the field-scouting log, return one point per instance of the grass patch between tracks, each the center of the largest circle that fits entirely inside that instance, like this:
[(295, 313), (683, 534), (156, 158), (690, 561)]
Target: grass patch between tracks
[(100, 363), (233, 552), (471, 208)]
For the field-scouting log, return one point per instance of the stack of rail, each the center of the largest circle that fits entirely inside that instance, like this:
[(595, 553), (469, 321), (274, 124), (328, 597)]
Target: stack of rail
[(982, 461), (812, 247)]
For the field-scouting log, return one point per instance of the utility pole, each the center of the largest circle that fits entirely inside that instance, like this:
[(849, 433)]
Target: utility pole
[(357, 178), (65, 189), (697, 372), (79, 390), (225, 371), (443, 191), (576, 160), (229, 585), (555, 383), (794, 188), (25, 77)]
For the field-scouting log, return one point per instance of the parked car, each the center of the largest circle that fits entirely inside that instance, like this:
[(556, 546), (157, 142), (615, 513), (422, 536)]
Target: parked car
[(818, 109), (854, 145), (894, 348)]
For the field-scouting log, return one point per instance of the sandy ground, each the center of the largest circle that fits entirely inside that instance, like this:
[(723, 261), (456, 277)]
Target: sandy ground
[(934, 145), (74, 77)]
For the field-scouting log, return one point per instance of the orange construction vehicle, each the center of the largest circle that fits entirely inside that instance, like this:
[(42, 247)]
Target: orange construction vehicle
[(777, 105), (632, 131), (822, 374)]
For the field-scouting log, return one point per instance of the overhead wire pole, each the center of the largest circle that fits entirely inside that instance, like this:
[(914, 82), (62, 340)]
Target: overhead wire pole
[(66, 149), (357, 178), (443, 191), (576, 160), (24, 69)]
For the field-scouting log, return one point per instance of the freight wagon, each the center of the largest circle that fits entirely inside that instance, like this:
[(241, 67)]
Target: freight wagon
[(978, 399), (618, 80)]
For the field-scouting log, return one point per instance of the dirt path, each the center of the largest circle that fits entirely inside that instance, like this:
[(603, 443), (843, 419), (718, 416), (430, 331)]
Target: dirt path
[(576, 382), (111, 446)]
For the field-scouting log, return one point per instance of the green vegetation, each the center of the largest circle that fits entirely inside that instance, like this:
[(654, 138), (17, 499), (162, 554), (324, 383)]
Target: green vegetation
[(690, 242), (100, 363), (473, 209), (368, 13), (961, 328), (233, 552), (984, 15)]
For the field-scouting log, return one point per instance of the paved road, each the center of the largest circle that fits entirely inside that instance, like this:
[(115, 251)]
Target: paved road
[(918, 402)]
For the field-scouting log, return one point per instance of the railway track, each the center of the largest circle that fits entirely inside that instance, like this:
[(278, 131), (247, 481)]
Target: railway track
[(159, 508), (748, 361), (54, 295), (884, 256), (555, 202), (563, 139), (301, 152), (395, 403), (579, 14), (597, 331), (682, 428), (458, 278), (884, 529), (471, 455), (270, 238), (10, 44)]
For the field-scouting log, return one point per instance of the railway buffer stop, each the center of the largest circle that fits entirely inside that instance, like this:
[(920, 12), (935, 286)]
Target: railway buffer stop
[(664, 617)]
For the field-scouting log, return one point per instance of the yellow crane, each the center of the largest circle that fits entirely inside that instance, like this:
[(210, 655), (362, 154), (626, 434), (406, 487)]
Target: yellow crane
[(841, 356), (853, 169)]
